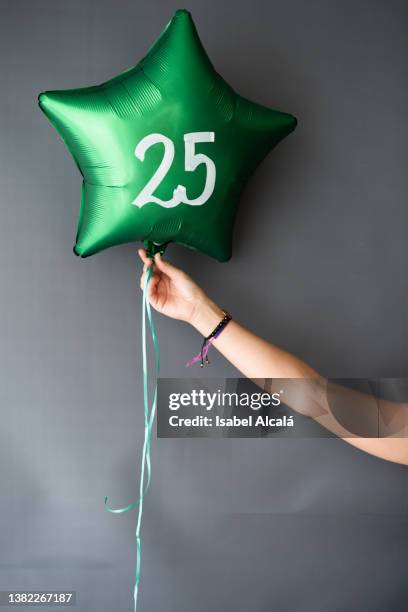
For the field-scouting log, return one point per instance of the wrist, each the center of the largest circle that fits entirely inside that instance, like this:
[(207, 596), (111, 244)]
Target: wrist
[(206, 317)]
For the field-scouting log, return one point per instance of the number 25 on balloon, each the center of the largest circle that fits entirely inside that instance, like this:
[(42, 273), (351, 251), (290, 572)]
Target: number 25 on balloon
[(192, 161)]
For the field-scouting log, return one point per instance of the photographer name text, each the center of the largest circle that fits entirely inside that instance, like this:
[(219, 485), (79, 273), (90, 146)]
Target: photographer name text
[(217, 421)]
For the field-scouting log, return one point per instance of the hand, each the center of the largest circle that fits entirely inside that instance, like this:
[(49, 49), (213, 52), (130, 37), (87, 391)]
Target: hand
[(171, 291)]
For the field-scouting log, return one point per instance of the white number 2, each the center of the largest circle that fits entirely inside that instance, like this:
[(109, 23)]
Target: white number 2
[(192, 161)]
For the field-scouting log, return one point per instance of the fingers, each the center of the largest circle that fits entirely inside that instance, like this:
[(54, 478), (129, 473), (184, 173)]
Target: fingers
[(143, 276), (146, 260), (167, 268), (161, 264), (152, 286)]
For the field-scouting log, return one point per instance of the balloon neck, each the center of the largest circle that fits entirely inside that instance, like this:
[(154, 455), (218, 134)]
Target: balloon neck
[(153, 247)]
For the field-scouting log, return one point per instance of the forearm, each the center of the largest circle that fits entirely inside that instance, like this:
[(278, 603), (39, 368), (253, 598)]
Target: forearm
[(251, 355), (393, 447), (256, 358)]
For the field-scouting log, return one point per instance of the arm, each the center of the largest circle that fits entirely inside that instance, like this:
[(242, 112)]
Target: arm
[(256, 358), (174, 293)]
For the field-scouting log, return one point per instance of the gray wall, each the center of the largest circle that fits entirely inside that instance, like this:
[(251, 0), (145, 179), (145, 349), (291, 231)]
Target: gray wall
[(319, 268)]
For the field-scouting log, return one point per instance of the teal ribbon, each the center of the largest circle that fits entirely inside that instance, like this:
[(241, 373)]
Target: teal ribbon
[(149, 414)]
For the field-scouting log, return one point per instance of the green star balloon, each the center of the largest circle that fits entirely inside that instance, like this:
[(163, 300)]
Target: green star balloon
[(164, 148)]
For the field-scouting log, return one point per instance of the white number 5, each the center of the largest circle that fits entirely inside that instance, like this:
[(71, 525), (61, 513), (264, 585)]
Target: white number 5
[(192, 161)]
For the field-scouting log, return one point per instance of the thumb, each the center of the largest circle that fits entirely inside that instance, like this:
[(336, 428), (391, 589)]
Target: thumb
[(166, 267)]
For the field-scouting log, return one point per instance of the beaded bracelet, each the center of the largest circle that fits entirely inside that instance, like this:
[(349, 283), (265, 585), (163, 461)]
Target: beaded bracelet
[(202, 355)]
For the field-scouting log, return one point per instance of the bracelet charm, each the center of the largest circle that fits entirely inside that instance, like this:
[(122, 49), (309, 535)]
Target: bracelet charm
[(202, 356)]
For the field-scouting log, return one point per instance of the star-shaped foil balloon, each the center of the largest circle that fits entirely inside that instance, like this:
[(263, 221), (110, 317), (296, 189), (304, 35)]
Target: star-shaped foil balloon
[(164, 148)]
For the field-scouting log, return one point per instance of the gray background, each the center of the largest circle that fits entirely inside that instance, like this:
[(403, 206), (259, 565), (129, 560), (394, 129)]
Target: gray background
[(319, 268)]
